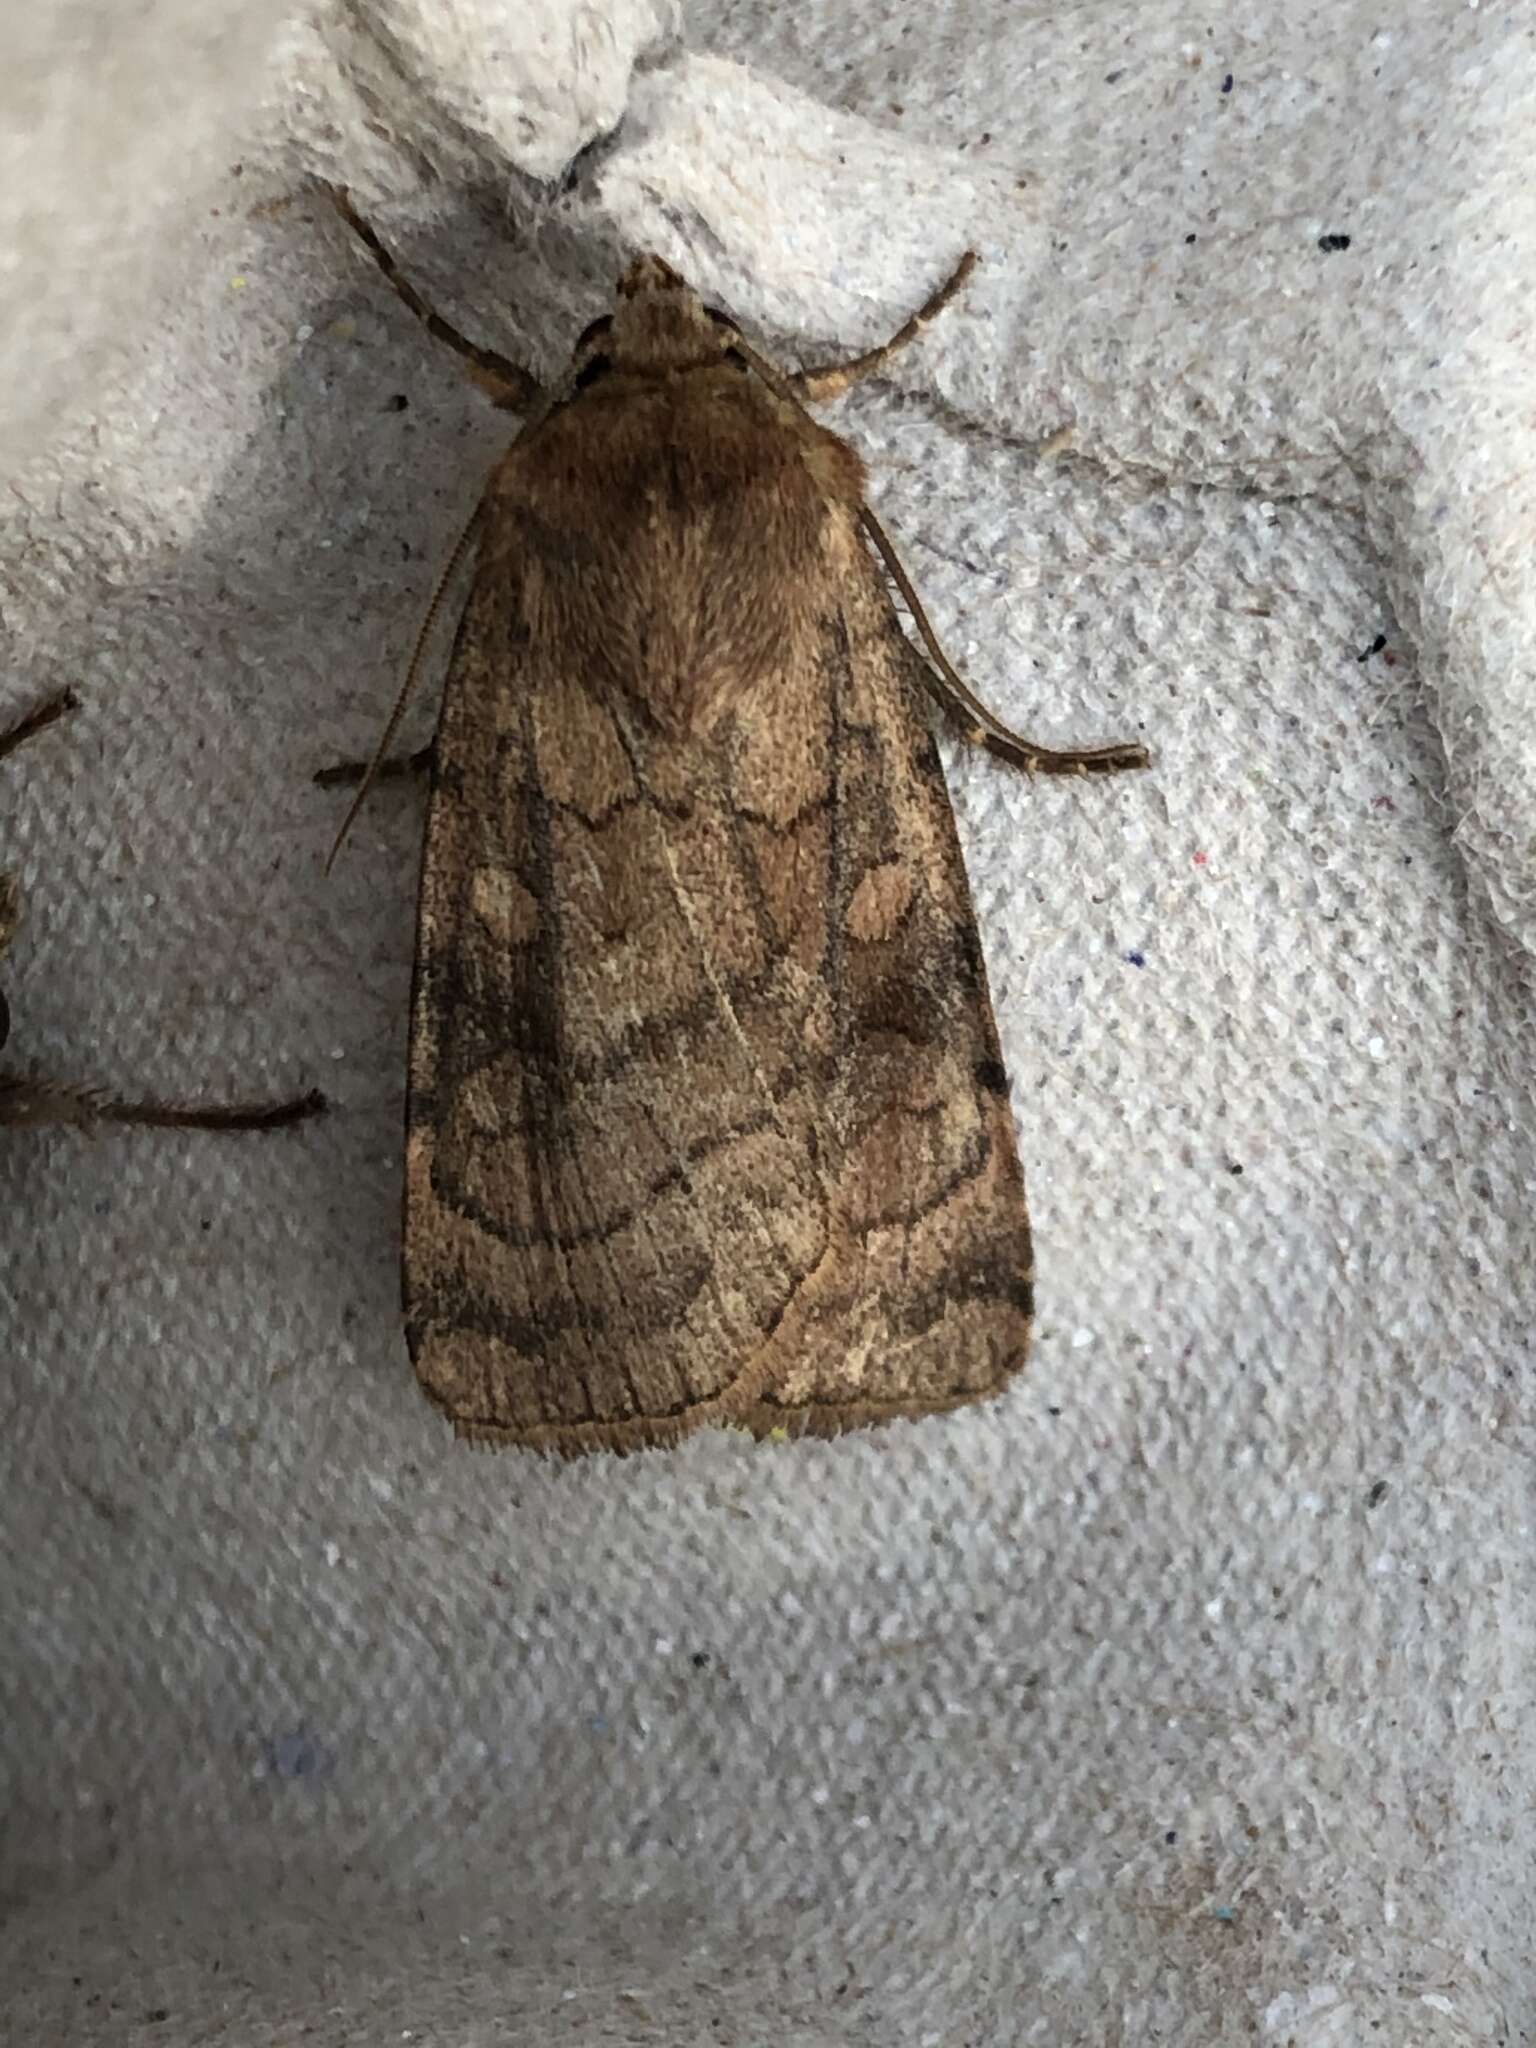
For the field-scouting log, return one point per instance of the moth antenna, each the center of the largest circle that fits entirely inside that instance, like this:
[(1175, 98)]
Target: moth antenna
[(504, 382), (830, 380), (470, 533), (943, 679), (951, 689)]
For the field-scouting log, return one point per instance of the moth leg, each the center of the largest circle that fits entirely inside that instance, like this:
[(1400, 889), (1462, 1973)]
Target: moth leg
[(979, 724), (828, 380), (507, 383), (38, 721), (51, 1102), (381, 753), (58, 1102), (348, 774)]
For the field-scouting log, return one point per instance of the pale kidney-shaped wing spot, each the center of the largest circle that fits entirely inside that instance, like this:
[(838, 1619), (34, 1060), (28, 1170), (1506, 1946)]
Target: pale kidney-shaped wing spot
[(508, 911), (880, 902)]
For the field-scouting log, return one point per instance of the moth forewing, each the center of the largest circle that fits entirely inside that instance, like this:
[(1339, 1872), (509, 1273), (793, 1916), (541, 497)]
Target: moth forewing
[(27, 1099), (707, 1120)]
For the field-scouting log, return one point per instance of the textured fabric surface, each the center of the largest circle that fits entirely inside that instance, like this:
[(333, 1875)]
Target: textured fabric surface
[(1181, 1695)]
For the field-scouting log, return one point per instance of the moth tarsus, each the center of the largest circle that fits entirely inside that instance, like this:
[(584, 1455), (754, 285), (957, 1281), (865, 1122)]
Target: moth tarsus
[(49, 712), (27, 1100), (707, 1120), (396, 768)]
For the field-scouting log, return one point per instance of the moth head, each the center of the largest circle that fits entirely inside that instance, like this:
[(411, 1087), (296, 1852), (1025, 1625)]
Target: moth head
[(658, 323)]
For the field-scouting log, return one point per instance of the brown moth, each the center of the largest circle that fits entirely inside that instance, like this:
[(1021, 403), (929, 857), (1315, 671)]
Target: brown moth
[(707, 1120), (28, 1100)]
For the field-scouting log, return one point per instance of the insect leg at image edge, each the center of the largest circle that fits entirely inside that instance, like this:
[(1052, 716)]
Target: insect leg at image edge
[(25, 1099)]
